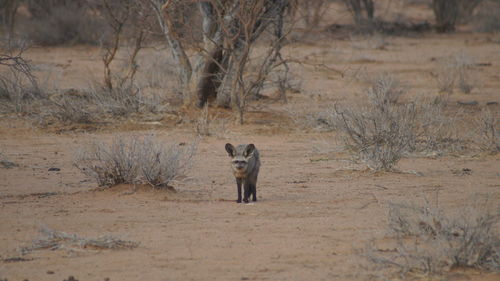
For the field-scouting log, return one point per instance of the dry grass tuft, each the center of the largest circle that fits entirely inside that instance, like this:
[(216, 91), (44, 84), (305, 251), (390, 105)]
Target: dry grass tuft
[(487, 131), (55, 240), (456, 72), (432, 240), (207, 125)]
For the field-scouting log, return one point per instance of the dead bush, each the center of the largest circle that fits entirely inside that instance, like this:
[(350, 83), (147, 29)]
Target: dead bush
[(118, 101), (380, 133), (135, 160), (385, 91), (18, 86), (487, 133), (57, 240), (161, 164), (439, 128), (433, 240), (207, 125), (456, 71), (17, 95), (69, 109), (111, 164)]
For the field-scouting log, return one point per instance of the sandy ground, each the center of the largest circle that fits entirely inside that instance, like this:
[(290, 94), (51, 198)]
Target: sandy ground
[(315, 210)]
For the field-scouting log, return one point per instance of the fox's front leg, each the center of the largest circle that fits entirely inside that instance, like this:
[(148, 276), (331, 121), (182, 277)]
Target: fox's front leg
[(247, 190), (238, 187)]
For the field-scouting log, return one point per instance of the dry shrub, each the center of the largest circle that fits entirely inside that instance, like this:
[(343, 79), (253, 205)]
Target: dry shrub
[(120, 101), (455, 71), (111, 164), (439, 129), (19, 90), (487, 133), (135, 160), (203, 122), (432, 240), (162, 164), (207, 125), (384, 130), (100, 103), (55, 240), (70, 109), (18, 95), (380, 133)]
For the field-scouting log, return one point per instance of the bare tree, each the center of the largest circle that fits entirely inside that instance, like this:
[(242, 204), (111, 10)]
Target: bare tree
[(8, 12), (118, 15), (230, 29), (15, 62), (362, 10), (449, 12)]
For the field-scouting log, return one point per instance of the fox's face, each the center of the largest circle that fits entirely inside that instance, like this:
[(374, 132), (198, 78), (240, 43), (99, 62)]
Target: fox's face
[(240, 156)]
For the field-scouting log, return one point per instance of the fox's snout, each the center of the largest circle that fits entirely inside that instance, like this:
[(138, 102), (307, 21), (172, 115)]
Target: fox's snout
[(240, 165)]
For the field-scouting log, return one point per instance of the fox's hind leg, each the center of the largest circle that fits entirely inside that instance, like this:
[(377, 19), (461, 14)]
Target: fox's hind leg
[(253, 191)]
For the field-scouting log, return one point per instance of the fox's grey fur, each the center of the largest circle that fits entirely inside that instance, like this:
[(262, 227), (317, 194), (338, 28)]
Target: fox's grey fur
[(245, 162)]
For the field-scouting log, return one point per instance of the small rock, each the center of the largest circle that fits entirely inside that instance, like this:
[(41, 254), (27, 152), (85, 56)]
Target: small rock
[(50, 272)]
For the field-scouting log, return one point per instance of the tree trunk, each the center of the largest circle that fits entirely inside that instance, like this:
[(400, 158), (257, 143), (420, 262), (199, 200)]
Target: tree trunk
[(178, 53), (446, 13), (209, 62), (9, 15)]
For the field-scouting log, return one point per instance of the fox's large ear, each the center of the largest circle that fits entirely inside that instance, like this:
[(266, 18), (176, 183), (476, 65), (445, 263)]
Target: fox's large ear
[(249, 150), (230, 149)]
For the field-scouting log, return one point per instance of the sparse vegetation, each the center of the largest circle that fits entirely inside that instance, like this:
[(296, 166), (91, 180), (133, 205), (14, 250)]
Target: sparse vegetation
[(51, 239), (135, 85), (207, 125), (18, 86), (488, 134), (162, 164), (433, 240), (111, 164), (380, 133), (455, 71), (450, 12), (134, 160)]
